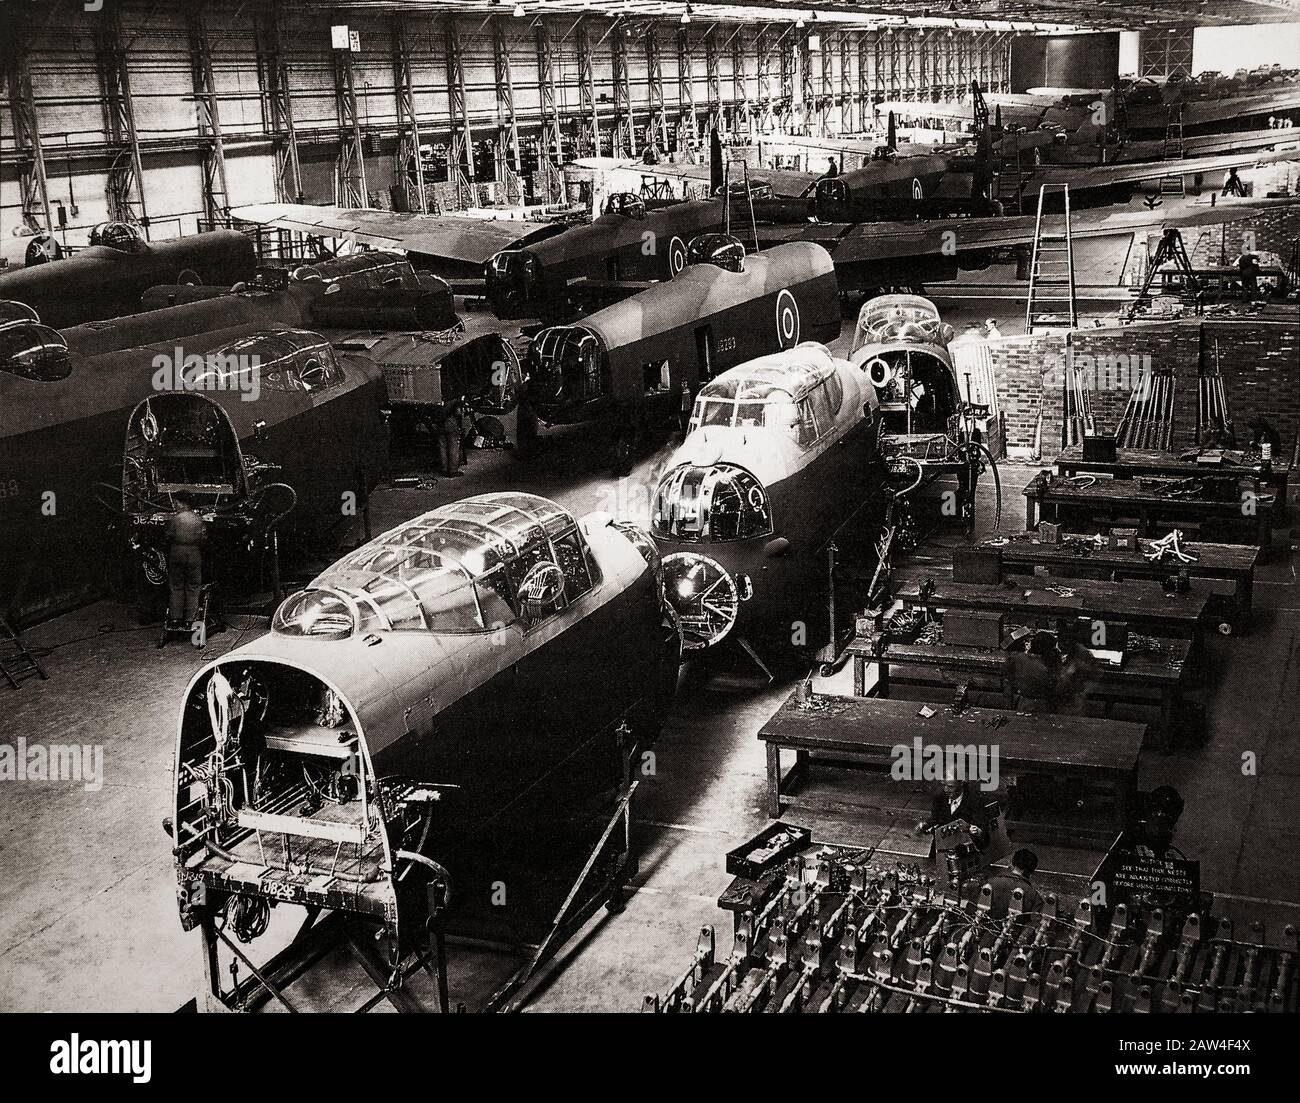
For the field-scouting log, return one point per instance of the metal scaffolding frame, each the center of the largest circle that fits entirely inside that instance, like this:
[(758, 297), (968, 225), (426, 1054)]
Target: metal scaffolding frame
[(846, 83), (589, 118), (212, 147), (910, 50), (32, 182), (624, 122), (713, 77), (409, 166), (350, 188), (124, 188), (894, 46), (786, 45), (866, 79), (826, 98), (927, 66), (460, 153), (277, 105), (1165, 53)]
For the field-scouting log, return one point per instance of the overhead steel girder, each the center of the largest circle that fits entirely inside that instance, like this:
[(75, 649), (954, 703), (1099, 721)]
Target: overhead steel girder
[(589, 119), (657, 129), (624, 124), (552, 136), (410, 168), (350, 188), (507, 121), (32, 182), (277, 105), (216, 200), (124, 188), (460, 155)]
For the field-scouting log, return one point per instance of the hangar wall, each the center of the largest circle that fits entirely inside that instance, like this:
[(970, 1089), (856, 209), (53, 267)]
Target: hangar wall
[(169, 66), (1064, 61)]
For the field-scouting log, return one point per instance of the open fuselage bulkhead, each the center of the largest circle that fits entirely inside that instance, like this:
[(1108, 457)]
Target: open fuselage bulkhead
[(780, 455), (423, 716), (639, 354)]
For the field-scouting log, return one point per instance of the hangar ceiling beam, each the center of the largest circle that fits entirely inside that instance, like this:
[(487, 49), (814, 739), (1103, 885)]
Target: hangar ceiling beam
[(277, 105), (409, 166), (212, 147), (124, 187)]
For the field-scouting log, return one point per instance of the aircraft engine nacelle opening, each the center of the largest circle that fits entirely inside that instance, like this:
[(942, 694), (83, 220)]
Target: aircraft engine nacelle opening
[(720, 250)]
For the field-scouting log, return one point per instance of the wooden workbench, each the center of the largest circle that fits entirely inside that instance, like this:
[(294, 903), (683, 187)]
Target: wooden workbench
[(1094, 754), (1231, 564), (1141, 602), (1146, 678), (1117, 502), (1133, 462)]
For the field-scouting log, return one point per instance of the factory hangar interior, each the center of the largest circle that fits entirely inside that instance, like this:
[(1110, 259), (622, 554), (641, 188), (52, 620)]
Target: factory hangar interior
[(649, 507)]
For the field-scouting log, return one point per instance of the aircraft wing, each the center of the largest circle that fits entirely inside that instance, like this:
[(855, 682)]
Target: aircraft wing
[(880, 241), (785, 184), (458, 238), (1283, 98), (1102, 176)]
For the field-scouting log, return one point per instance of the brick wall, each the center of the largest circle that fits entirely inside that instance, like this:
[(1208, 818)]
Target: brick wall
[(1259, 360)]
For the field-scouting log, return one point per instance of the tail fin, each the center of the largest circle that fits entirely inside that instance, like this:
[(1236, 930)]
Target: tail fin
[(715, 162), (891, 135)]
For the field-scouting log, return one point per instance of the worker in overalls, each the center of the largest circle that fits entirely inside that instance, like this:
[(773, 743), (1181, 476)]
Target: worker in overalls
[(451, 440), (186, 534)]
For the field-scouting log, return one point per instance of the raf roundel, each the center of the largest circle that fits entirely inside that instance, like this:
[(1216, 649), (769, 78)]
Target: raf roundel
[(918, 192), (676, 256), (787, 320)]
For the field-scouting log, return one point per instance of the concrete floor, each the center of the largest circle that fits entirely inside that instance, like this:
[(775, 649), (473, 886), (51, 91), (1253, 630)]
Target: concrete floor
[(89, 918)]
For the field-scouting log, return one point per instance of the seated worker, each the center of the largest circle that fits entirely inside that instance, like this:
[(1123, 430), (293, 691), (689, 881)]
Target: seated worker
[(1005, 881), (958, 801), (185, 536), (832, 169), (1045, 678)]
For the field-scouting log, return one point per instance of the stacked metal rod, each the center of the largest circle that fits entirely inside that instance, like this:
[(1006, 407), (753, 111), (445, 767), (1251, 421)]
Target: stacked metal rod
[(1078, 408), (836, 936), (1213, 415), (1148, 420)]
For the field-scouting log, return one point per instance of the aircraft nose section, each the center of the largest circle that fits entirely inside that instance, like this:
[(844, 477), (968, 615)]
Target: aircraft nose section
[(705, 596)]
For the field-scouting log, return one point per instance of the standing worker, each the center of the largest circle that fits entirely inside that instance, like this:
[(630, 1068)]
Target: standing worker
[(1233, 185), (991, 330), (186, 534), (450, 440)]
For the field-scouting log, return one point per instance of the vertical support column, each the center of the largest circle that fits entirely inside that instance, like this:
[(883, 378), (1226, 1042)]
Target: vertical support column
[(33, 186), (687, 125), (895, 75), (655, 88), (277, 106), (552, 136), (826, 100), (125, 184), (807, 90), (507, 150), (460, 156), (787, 47), (740, 79), (926, 65), (624, 125), (589, 119), (350, 188), (410, 168), (866, 79), (846, 83), (713, 77), (208, 116)]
